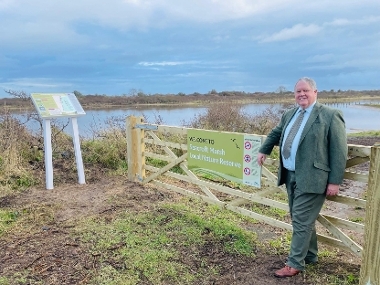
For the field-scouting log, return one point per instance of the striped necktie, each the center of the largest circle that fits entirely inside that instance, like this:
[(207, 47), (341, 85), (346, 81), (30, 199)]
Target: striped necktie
[(292, 133)]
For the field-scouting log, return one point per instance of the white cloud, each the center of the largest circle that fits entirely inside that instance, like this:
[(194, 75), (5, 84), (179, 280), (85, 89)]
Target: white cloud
[(221, 38), (126, 14), (346, 22), (5, 4), (320, 58), (345, 62), (41, 21), (339, 22), (166, 63), (94, 40), (302, 30), (6, 61), (194, 74), (297, 31), (40, 33), (218, 10), (46, 83)]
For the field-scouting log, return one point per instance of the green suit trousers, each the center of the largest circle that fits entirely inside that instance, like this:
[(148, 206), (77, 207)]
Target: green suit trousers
[(304, 209)]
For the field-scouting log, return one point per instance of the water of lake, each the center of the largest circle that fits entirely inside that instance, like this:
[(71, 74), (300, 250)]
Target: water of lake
[(357, 116)]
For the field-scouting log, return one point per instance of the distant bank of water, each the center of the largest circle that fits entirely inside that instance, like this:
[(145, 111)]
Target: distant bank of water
[(357, 116)]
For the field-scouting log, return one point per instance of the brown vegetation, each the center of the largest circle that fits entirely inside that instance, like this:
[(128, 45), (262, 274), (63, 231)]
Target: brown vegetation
[(43, 244), (20, 99)]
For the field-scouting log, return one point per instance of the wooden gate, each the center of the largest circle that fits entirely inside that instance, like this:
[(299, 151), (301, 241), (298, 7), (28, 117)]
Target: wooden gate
[(167, 146)]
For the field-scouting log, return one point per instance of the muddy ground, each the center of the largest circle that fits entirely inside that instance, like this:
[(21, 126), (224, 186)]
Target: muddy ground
[(50, 253)]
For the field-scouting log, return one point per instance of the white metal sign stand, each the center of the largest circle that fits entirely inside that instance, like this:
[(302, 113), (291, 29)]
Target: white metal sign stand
[(78, 153), (48, 155), (57, 105)]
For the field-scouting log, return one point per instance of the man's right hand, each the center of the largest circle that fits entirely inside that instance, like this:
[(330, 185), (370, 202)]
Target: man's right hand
[(261, 158)]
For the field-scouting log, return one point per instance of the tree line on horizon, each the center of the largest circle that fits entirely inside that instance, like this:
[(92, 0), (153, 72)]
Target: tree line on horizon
[(136, 97)]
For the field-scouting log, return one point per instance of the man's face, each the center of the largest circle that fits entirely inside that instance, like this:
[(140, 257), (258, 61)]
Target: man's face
[(304, 94)]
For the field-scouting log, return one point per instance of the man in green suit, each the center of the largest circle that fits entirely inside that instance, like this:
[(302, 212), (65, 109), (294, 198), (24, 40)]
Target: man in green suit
[(313, 156)]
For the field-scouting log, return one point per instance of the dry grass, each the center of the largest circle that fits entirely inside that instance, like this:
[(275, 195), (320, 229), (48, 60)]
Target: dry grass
[(16, 148)]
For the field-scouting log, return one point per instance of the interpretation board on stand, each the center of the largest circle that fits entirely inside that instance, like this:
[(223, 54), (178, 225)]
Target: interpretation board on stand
[(59, 105)]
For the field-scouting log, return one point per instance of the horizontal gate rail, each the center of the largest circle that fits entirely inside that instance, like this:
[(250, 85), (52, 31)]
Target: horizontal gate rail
[(169, 145)]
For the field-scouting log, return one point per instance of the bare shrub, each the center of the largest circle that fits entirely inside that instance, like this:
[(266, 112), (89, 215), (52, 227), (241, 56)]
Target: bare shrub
[(262, 123), (15, 148), (228, 116), (224, 116), (108, 147)]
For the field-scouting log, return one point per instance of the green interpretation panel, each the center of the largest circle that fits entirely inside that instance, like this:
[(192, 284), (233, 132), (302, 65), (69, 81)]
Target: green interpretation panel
[(231, 156), (53, 105)]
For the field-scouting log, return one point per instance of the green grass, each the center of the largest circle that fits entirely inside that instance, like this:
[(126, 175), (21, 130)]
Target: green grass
[(345, 277), (280, 245), (357, 219), (365, 134), (372, 105), (326, 253), (273, 212), (160, 163), (147, 246), (7, 218), (17, 279)]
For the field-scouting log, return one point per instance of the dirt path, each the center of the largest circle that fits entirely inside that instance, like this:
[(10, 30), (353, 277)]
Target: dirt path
[(52, 254)]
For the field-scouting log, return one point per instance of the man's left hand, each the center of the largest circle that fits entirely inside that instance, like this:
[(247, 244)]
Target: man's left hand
[(332, 189)]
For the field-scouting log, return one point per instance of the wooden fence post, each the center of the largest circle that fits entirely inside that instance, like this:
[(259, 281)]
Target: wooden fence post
[(135, 149), (370, 268)]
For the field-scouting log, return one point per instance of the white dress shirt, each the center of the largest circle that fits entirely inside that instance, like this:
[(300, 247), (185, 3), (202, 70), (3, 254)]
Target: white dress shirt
[(290, 162)]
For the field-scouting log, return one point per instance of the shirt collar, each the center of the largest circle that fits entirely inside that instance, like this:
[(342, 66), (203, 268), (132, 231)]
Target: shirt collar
[(308, 109)]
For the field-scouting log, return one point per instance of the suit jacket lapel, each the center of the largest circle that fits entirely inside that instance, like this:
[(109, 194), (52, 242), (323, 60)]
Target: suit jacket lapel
[(313, 116), (291, 114)]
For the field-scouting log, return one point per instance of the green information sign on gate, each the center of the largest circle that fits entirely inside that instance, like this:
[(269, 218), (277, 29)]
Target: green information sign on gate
[(231, 156)]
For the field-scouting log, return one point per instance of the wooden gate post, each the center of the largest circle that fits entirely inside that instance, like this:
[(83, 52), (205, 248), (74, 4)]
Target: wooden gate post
[(135, 149), (370, 268)]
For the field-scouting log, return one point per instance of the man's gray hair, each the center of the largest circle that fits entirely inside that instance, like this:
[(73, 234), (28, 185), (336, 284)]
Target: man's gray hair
[(309, 81)]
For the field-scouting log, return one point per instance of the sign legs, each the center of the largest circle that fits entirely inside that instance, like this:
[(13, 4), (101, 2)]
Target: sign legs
[(78, 153), (48, 155)]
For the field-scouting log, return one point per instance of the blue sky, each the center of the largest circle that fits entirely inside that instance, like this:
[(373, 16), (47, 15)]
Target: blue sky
[(169, 46)]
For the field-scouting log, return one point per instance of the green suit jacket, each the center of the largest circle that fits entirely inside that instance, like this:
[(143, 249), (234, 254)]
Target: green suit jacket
[(322, 151)]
